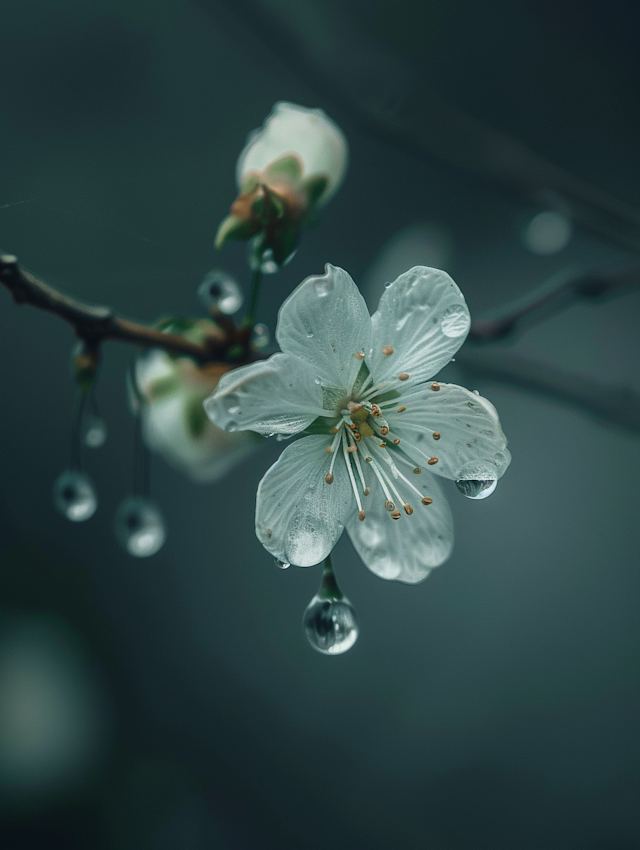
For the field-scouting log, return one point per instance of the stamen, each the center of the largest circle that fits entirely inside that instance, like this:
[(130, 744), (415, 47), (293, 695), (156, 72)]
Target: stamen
[(401, 409), (366, 490), (387, 349), (397, 474), (436, 435), (396, 515), (435, 386), (345, 452), (329, 478), (404, 376), (359, 355), (408, 509), (432, 460), (361, 515), (352, 449), (389, 505), (333, 448), (381, 480), (426, 501), (417, 470), (329, 450)]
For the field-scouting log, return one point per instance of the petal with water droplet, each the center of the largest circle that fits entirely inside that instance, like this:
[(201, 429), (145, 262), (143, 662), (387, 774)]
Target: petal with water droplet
[(471, 443), (406, 549), (276, 396), (423, 316), (299, 517), (325, 321)]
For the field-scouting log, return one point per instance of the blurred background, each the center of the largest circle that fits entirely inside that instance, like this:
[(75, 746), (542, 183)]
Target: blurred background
[(174, 702)]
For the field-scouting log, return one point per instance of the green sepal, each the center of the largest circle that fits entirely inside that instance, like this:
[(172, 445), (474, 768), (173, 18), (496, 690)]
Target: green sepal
[(315, 187), (233, 227), (250, 184), (288, 166), (195, 416), (268, 206), (163, 388)]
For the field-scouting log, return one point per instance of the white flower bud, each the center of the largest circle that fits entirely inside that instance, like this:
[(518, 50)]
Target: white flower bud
[(307, 134)]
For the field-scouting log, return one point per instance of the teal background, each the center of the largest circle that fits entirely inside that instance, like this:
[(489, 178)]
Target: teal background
[(496, 704)]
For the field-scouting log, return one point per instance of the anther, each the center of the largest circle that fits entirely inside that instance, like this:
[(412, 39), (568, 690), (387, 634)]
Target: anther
[(357, 435), (384, 431), (396, 515), (367, 490), (333, 430), (368, 460), (396, 442), (401, 409), (435, 386), (328, 478), (383, 445), (389, 505), (417, 470), (432, 460), (329, 450), (353, 426), (408, 509), (359, 355), (436, 435), (427, 501), (404, 376), (361, 515), (352, 449), (387, 349), (375, 410)]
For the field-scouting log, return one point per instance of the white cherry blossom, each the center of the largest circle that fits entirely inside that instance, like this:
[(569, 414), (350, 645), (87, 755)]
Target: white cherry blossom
[(379, 431)]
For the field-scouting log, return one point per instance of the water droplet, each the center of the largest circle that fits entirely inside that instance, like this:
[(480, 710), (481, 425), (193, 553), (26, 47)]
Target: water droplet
[(309, 336), (139, 527), (95, 434), (234, 411), (477, 489), (74, 496), (547, 233), (455, 321), (317, 381), (388, 284), (330, 625), (260, 336), (220, 290), (281, 565), (323, 287)]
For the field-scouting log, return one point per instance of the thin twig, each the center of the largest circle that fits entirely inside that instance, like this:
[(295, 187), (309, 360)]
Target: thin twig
[(615, 405), (553, 297), (96, 324)]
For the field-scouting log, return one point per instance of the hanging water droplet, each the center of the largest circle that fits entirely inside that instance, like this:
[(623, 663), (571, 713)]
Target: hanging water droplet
[(260, 336), (268, 265), (140, 527), (95, 434), (477, 489), (74, 496), (281, 565), (220, 290), (330, 625), (455, 321)]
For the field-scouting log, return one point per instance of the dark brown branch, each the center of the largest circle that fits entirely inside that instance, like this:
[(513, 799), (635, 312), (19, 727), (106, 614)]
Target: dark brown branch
[(619, 406), (397, 107), (95, 324), (552, 298)]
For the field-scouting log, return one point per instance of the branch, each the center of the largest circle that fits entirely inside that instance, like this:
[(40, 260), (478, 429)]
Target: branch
[(95, 324), (618, 406), (552, 298), (391, 102)]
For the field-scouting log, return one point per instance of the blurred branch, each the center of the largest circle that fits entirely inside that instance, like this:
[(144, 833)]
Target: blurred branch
[(553, 298), (618, 406), (94, 324), (388, 100)]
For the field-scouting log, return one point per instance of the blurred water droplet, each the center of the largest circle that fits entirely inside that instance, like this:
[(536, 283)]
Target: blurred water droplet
[(260, 336), (268, 265), (74, 496), (317, 381), (455, 321), (547, 233), (281, 565), (475, 489), (220, 290), (330, 625), (95, 434), (140, 527)]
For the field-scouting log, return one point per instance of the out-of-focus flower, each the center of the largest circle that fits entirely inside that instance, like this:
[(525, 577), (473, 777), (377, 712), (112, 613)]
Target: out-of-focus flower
[(360, 387), (169, 393), (288, 169)]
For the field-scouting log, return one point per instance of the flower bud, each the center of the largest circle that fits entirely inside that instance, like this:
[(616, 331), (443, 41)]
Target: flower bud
[(291, 166)]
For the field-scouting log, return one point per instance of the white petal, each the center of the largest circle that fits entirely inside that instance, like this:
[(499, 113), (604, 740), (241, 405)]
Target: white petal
[(471, 444), (306, 133), (299, 517), (406, 549), (423, 316), (275, 396), (325, 321)]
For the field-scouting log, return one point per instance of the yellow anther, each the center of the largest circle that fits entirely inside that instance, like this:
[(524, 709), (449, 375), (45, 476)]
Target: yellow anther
[(387, 349), (417, 470), (427, 501), (328, 477), (408, 509), (361, 515), (436, 435), (435, 386), (401, 409)]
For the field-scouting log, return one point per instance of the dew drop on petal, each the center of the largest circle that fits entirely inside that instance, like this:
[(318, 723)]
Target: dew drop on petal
[(260, 336), (139, 527), (74, 496), (477, 489), (454, 321), (234, 410), (323, 287), (220, 290), (330, 625), (95, 434), (281, 565)]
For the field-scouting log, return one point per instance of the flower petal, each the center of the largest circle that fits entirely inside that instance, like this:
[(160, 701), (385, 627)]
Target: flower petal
[(276, 396), (299, 517), (424, 318), (406, 549), (325, 321), (306, 133), (471, 443)]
